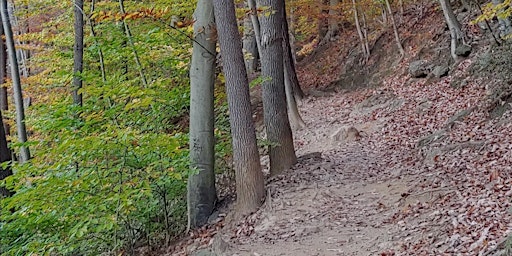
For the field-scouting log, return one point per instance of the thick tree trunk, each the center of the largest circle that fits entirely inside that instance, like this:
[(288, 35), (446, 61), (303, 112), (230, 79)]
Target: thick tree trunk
[(395, 29), (454, 27), (250, 45), (201, 186), (78, 52), (279, 134), (249, 178), (5, 155), (16, 83)]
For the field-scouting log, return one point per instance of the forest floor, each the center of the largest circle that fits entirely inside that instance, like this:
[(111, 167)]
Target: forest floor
[(399, 170), (413, 166)]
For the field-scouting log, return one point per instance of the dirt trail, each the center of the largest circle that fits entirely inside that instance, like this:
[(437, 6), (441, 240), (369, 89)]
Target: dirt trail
[(338, 200), (359, 191)]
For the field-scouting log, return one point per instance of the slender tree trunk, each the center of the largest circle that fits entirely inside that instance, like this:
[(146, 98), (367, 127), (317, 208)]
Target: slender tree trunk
[(16, 83), (250, 45), (249, 178), (289, 62), (129, 37), (5, 155), (4, 105), (362, 39), (454, 27), (365, 36), (255, 22), (279, 134), (78, 52), (395, 29), (201, 193)]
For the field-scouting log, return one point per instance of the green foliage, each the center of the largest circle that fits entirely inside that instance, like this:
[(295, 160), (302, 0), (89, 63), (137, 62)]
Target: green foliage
[(112, 173)]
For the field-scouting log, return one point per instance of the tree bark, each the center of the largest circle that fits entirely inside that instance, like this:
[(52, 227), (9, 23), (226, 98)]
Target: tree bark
[(289, 63), (362, 39), (255, 22), (78, 52), (453, 25), (16, 83), (201, 193), (279, 134), (249, 178), (333, 26), (5, 155), (395, 29), (323, 21), (4, 105), (250, 45)]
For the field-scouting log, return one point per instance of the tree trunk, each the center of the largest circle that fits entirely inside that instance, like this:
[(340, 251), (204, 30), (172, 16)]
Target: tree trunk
[(323, 21), (16, 83), (4, 105), (279, 134), (395, 29), (333, 26), (255, 22), (5, 155), (362, 39), (249, 178), (454, 27), (201, 193), (250, 45), (289, 62), (78, 52), (291, 34)]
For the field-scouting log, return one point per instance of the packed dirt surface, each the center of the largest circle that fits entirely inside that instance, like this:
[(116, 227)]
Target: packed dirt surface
[(405, 169)]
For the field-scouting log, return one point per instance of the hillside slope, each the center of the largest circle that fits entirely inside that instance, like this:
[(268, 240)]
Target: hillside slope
[(390, 164)]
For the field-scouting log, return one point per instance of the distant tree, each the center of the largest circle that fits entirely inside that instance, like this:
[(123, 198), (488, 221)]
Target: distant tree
[(249, 178), (201, 193), (395, 29), (456, 34), (78, 51), (279, 134), (16, 82), (250, 43)]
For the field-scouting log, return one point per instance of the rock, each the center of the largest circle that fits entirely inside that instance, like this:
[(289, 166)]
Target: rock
[(219, 246), (419, 68), (203, 252), (463, 50), (346, 134), (440, 71), (458, 117)]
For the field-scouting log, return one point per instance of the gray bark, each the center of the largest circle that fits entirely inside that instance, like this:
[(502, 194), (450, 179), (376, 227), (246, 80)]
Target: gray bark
[(255, 22), (5, 155), (333, 26), (16, 83), (4, 105), (362, 39), (281, 149), (453, 25), (249, 178), (201, 193), (78, 52), (250, 45), (395, 29)]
